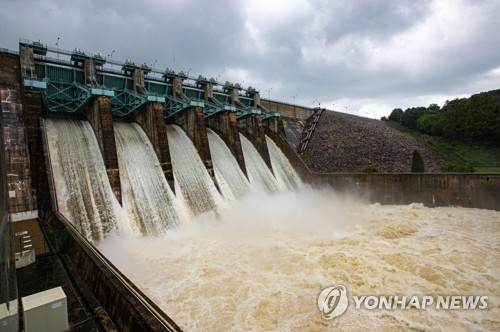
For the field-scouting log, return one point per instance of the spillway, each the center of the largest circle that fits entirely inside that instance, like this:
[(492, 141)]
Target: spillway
[(257, 170), (232, 181), (147, 196), (193, 185), (84, 195), (283, 170)]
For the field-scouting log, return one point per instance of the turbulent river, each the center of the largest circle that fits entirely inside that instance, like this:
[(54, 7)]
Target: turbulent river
[(262, 265)]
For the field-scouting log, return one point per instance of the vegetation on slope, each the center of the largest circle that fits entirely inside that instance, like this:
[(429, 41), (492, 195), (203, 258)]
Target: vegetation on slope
[(466, 130)]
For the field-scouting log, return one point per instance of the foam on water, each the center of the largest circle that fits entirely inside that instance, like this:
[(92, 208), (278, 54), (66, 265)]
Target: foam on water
[(84, 195), (194, 187), (232, 182), (262, 264), (257, 170), (146, 194)]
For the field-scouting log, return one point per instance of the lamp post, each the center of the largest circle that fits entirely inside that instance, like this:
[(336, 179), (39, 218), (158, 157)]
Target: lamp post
[(110, 56), (269, 93), (57, 45)]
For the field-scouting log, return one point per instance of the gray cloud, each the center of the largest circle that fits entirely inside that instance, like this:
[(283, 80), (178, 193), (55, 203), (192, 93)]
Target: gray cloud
[(364, 54)]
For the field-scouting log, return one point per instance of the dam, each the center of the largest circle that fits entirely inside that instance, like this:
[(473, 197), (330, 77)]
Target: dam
[(181, 203)]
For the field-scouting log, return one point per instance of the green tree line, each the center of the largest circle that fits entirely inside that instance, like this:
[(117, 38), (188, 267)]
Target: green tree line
[(474, 119)]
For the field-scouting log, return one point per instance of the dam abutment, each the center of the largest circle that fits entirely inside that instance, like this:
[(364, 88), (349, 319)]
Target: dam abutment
[(22, 203)]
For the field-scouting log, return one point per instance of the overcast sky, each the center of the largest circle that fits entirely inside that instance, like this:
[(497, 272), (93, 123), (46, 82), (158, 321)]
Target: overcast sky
[(366, 57)]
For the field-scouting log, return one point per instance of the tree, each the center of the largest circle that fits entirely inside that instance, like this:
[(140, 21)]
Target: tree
[(417, 163), (396, 115), (431, 124), (433, 108), (411, 116)]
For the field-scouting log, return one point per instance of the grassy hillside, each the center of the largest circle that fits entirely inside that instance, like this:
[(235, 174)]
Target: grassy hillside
[(484, 158)]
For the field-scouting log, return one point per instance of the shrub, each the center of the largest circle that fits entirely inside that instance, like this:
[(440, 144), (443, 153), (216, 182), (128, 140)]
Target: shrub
[(370, 169), (417, 163)]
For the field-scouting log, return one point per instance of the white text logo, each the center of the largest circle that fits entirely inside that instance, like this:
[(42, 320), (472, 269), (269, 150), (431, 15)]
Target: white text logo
[(332, 301)]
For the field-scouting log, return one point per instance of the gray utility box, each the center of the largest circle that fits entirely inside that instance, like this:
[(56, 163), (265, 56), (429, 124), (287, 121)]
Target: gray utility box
[(9, 317), (45, 311)]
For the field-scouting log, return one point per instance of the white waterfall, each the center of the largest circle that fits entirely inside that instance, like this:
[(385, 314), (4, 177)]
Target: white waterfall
[(146, 194), (257, 170), (84, 195), (283, 170), (232, 182), (193, 185)]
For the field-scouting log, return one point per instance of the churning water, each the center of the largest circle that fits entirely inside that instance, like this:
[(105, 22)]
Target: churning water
[(84, 195), (262, 265)]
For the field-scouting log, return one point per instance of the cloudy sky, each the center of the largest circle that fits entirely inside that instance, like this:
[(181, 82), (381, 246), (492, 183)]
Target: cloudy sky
[(365, 57)]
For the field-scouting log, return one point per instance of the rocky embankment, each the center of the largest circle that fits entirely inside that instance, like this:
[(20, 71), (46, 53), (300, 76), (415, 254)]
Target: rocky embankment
[(347, 143)]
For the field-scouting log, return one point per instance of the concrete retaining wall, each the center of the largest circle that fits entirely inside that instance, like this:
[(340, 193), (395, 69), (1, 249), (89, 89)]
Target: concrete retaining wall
[(466, 190), (127, 306), (432, 189)]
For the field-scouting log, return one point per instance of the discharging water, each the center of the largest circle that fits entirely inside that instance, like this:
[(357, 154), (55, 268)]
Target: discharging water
[(262, 266), (231, 180), (283, 170), (146, 194), (193, 185), (84, 195), (257, 170)]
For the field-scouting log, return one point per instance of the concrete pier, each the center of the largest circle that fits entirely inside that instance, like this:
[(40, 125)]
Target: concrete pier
[(98, 113), (226, 125), (251, 126), (150, 118), (193, 123)]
